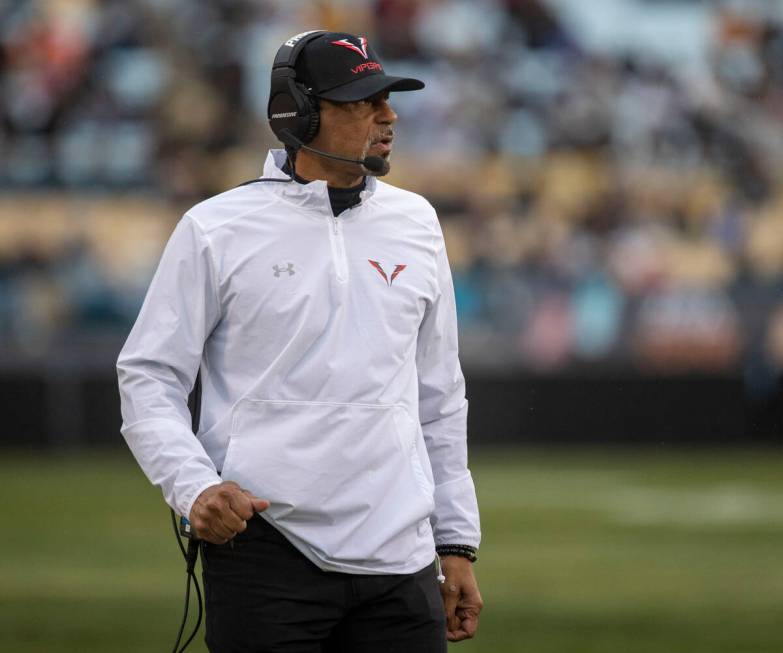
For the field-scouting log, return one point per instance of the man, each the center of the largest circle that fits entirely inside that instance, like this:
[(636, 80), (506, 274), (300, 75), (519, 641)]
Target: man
[(331, 455)]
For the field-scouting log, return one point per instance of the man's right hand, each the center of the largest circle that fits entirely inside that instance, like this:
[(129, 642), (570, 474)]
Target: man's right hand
[(221, 511)]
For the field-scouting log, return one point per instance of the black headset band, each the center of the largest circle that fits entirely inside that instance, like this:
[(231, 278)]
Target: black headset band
[(289, 52)]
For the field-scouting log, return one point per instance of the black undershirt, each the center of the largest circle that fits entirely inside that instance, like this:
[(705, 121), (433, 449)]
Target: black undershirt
[(341, 199), (344, 198)]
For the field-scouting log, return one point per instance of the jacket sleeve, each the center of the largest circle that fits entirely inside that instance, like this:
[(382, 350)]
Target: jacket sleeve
[(157, 368), (443, 411)]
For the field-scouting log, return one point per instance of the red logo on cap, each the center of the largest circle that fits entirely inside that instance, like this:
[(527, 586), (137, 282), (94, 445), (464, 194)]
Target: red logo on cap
[(361, 49), (368, 65)]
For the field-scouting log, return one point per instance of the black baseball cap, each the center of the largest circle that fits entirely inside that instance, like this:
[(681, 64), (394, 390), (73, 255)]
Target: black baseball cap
[(344, 68)]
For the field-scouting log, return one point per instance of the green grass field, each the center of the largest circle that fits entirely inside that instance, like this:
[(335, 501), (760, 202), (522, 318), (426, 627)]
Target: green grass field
[(584, 552)]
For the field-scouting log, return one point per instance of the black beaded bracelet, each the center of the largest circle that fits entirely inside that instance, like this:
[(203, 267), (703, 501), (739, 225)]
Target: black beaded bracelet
[(461, 550)]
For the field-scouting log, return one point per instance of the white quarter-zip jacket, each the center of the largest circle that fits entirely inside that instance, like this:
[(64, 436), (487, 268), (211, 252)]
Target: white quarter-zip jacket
[(331, 384)]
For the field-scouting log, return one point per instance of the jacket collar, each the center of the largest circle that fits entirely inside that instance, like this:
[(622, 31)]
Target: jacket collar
[(313, 195)]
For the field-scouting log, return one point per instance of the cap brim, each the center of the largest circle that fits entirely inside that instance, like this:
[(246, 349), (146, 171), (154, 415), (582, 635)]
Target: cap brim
[(368, 86)]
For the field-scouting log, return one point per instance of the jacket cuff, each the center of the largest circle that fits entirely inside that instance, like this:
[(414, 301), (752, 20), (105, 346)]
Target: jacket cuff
[(191, 499), (173, 459), (456, 518)]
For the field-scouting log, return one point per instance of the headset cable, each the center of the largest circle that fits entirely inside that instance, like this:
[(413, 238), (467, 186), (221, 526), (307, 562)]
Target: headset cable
[(190, 556)]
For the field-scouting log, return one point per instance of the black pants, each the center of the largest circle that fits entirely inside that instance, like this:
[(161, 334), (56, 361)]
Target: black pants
[(263, 596)]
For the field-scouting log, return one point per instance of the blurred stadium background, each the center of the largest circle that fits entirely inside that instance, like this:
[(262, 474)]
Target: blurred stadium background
[(609, 177)]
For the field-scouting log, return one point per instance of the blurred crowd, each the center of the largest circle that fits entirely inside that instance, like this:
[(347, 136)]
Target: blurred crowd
[(600, 209)]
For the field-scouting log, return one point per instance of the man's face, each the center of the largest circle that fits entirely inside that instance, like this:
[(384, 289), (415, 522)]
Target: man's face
[(357, 129)]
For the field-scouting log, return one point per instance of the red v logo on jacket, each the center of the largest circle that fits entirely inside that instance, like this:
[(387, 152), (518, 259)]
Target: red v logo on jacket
[(397, 269)]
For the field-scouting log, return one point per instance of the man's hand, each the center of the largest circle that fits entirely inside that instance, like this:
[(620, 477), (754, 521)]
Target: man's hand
[(461, 598), (222, 511)]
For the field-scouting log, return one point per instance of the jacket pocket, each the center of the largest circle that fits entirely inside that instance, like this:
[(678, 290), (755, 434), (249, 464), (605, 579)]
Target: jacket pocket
[(413, 443), (354, 467)]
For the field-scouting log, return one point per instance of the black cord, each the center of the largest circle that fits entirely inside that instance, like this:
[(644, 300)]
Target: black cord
[(200, 613), (176, 532), (190, 556), (291, 176), (176, 648)]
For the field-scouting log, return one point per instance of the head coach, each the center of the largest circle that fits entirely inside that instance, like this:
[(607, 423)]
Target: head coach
[(330, 464)]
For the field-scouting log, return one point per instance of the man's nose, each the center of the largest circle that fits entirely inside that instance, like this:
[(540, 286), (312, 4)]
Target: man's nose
[(386, 115)]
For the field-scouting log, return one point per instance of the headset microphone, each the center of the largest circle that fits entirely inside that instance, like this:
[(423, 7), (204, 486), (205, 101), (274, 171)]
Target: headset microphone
[(377, 165)]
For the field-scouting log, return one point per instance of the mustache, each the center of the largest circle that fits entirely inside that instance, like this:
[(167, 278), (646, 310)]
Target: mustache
[(386, 133)]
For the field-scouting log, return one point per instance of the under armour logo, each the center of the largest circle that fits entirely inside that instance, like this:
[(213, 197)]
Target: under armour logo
[(397, 269), (278, 269)]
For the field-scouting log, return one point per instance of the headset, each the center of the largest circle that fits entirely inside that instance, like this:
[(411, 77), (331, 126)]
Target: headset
[(293, 111)]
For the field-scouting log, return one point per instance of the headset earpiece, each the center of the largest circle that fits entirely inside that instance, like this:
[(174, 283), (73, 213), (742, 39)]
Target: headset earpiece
[(290, 106), (315, 118)]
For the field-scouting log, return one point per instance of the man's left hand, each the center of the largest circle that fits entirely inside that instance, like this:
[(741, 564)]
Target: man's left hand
[(461, 598)]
